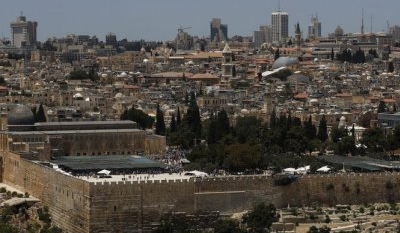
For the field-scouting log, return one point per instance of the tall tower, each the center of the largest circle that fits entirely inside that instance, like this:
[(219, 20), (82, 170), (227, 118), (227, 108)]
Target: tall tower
[(314, 29), (111, 39), (280, 26), (298, 35), (227, 63), (218, 31), (23, 32)]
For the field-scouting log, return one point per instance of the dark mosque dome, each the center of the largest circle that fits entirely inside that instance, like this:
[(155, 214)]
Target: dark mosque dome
[(19, 114)]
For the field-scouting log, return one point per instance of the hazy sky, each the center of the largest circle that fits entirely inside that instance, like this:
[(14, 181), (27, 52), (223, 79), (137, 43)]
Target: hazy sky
[(159, 19)]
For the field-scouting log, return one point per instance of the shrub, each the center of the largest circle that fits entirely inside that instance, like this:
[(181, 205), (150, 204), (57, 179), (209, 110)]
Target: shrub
[(3, 190), (330, 186)]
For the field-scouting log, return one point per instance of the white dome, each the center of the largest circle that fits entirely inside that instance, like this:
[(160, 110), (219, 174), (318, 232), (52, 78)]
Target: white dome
[(78, 95), (119, 95), (244, 111)]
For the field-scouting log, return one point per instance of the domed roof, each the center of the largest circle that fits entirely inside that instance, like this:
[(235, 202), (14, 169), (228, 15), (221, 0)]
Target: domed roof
[(20, 115), (284, 61)]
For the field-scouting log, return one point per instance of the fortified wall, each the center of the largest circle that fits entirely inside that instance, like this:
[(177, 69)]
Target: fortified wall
[(132, 206), (66, 196)]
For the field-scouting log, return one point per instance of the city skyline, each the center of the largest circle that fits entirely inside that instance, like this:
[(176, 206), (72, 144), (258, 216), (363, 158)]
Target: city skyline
[(157, 20)]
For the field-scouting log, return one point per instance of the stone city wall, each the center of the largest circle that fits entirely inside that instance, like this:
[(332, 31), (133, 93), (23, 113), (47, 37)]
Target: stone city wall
[(134, 206), (66, 196)]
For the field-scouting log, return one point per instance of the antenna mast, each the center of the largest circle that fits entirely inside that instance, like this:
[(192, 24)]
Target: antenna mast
[(279, 5), (362, 22), (371, 25)]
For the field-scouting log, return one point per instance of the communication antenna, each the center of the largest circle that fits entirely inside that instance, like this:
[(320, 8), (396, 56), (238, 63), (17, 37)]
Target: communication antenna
[(362, 22), (279, 5), (371, 25)]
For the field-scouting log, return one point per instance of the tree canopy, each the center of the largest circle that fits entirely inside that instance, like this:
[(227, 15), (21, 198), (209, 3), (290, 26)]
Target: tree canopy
[(260, 218), (143, 120)]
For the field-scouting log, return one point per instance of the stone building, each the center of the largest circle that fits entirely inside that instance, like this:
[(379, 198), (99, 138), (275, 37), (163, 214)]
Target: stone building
[(77, 138)]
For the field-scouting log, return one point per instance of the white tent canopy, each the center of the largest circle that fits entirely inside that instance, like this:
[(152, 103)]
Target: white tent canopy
[(104, 172), (196, 173), (323, 169), (303, 170), (289, 170)]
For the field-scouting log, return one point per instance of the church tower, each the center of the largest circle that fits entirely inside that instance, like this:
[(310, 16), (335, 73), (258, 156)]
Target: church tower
[(227, 65), (298, 35)]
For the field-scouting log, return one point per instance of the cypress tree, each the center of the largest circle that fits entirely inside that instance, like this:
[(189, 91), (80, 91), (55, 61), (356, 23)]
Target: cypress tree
[(277, 54), (178, 117), (289, 121), (193, 116), (160, 124), (322, 130), (40, 115), (172, 125), (212, 130), (309, 129), (223, 126), (272, 119), (381, 107)]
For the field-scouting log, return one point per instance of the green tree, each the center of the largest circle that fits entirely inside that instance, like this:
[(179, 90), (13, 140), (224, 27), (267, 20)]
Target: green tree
[(242, 156), (332, 54), (273, 119), (322, 130), (143, 120), (373, 139), (78, 75), (227, 226), (223, 127), (212, 130), (192, 117), (314, 229), (260, 218), (390, 67), (338, 134), (2, 81), (178, 117), (160, 124), (310, 129), (381, 107), (186, 99), (277, 54), (40, 115), (172, 125), (247, 129)]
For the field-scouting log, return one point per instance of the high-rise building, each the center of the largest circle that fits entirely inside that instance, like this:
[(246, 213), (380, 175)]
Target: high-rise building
[(280, 26), (314, 29), (218, 31), (263, 35), (111, 39), (23, 32), (395, 32)]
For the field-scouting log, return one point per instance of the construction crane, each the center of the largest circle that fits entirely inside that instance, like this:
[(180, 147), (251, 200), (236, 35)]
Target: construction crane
[(181, 29)]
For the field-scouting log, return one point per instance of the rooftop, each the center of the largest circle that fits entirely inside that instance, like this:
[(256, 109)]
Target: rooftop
[(116, 163)]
